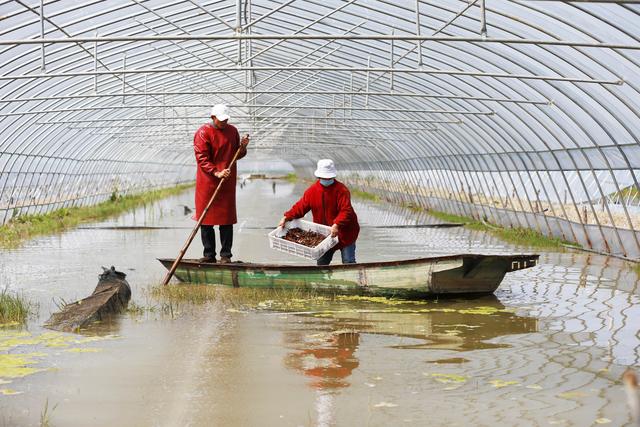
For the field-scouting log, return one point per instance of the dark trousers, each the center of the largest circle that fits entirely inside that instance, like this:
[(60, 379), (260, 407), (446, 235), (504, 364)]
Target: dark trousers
[(209, 240)]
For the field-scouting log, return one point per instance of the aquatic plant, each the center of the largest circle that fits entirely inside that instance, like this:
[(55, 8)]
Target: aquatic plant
[(45, 415), (291, 177), (14, 308), (242, 298), (364, 195), (22, 227)]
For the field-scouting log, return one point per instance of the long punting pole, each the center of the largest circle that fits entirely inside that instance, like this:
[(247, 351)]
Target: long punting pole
[(169, 274)]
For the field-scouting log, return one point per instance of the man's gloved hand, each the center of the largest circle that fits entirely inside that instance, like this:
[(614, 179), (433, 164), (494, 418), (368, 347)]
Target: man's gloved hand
[(282, 222)]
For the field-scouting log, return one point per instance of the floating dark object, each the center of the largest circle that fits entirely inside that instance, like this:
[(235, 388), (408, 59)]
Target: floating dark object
[(111, 296), (187, 209), (304, 237)]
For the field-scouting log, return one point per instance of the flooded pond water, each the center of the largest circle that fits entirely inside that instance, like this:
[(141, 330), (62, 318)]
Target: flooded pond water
[(548, 348)]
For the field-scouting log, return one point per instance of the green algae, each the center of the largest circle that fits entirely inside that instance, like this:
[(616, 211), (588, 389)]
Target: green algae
[(502, 383), (83, 350), (448, 378), (18, 365), (570, 395)]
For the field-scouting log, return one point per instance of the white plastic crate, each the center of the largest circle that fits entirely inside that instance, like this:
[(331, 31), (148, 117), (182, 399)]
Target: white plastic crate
[(277, 242)]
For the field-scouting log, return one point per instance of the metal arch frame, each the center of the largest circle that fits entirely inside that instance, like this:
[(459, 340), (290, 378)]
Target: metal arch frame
[(492, 135)]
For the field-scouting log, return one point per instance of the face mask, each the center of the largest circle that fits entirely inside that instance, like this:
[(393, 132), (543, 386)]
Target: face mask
[(326, 182)]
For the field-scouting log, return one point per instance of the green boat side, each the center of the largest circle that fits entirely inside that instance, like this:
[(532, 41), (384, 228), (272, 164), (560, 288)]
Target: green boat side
[(454, 274)]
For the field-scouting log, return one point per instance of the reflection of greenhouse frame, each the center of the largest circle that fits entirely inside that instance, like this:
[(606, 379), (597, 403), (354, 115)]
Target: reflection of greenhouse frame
[(562, 139)]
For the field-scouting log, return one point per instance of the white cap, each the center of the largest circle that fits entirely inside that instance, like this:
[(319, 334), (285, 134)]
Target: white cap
[(221, 111), (326, 169)]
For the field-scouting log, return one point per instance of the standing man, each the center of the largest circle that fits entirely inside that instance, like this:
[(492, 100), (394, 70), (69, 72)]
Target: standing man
[(330, 203), (215, 144)]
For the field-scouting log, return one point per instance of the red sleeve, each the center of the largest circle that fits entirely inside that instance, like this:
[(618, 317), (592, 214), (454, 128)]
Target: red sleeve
[(201, 149), (345, 210), (300, 208)]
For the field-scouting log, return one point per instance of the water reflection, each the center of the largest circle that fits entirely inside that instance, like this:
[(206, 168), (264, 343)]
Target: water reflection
[(328, 356), (327, 359)]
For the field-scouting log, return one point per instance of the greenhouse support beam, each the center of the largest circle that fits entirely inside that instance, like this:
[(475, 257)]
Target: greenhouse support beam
[(95, 65), (43, 64), (297, 33), (142, 107), (213, 15), (459, 14), (283, 37), (418, 42), (268, 14), (618, 81), (287, 122), (245, 116), (483, 20), (345, 92)]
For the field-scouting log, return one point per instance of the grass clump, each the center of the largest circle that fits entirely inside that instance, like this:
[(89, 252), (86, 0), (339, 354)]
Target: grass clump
[(515, 235), (291, 177), (45, 415), (14, 308), (23, 227), (286, 299), (365, 195)]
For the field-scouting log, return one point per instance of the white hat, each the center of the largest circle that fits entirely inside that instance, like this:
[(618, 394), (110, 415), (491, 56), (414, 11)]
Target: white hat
[(221, 111), (326, 169)]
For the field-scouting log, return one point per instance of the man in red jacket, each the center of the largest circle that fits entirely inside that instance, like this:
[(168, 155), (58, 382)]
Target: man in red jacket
[(215, 144), (330, 203)]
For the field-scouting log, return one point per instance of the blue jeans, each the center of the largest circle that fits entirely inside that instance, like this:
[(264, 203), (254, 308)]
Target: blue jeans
[(348, 254)]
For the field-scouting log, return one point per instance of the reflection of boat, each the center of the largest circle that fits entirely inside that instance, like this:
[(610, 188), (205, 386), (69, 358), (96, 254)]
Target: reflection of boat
[(458, 325), (454, 274)]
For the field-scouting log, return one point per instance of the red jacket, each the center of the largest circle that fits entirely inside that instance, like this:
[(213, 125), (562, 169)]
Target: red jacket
[(329, 205), (214, 148)]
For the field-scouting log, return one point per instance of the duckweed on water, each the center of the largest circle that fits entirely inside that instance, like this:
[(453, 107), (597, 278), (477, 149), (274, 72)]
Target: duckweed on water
[(502, 383), (318, 303), (83, 350), (16, 364), (448, 378)]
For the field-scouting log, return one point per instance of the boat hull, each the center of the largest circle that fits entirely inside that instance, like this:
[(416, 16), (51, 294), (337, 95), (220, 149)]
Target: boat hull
[(459, 274)]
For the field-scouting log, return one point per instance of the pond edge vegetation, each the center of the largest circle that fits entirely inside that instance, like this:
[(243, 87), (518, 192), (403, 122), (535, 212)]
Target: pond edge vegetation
[(23, 227), (517, 236), (14, 308)]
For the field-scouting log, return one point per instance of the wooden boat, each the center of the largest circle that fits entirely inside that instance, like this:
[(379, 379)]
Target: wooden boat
[(454, 274)]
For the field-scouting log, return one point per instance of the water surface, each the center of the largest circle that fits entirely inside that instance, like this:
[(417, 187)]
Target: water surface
[(547, 349)]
